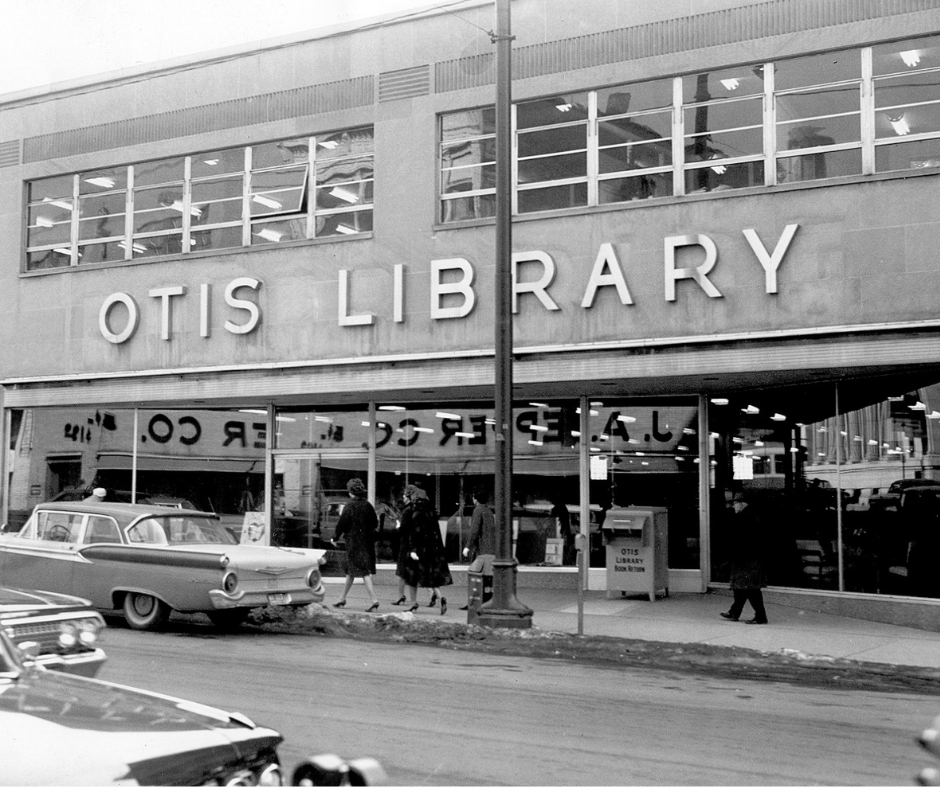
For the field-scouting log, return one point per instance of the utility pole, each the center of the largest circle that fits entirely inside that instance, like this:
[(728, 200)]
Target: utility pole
[(503, 609)]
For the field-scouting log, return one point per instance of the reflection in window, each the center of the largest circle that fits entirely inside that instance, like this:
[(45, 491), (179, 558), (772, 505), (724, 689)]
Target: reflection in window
[(468, 164), (215, 200)]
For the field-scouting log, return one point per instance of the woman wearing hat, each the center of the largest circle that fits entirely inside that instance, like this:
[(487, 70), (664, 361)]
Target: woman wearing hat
[(358, 523), (422, 561)]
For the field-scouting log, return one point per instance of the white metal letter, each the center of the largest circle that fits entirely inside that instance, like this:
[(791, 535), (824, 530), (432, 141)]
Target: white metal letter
[(239, 303), (398, 294), (606, 258), (165, 294), (699, 273), (203, 310), (771, 263), (133, 318), (345, 319), (539, 286), (461, 287)]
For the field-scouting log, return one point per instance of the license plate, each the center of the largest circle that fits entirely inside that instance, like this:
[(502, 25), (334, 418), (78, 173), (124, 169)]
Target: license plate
[(278, 599)]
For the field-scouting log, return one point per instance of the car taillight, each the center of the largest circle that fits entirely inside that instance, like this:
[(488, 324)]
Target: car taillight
[(230, 582), (313, 578), (271, 775)]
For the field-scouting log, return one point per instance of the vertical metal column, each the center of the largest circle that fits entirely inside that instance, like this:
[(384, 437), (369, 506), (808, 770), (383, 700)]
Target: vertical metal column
[(504, 610)]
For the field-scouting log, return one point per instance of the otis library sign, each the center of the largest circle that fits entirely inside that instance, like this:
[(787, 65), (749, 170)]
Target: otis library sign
[(452, 293)]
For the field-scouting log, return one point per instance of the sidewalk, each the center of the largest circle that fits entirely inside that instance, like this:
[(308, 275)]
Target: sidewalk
[(688, 618)]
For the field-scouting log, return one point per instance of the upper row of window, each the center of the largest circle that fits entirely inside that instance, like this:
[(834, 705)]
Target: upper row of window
[(852, 112)]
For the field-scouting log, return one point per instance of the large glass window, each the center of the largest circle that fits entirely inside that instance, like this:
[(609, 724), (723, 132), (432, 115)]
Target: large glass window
[(468, 164), (209, 201), (844, 482)]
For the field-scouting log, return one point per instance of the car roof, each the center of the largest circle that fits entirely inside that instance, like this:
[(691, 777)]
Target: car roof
[(120, 511)]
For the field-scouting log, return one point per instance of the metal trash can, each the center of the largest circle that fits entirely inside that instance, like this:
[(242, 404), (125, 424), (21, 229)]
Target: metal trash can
[(479, 585), (637, 551)]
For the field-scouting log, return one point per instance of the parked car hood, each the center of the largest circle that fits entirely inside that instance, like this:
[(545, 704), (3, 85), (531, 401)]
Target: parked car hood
[(14, 600), (96, 733)]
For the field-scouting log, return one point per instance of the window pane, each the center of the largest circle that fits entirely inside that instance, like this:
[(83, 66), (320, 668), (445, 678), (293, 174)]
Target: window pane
[(725, 145), (278, 231), (343, 144), (49, 189), (725, 84), (102, 180), (153, 173), (471, 123), (635, 157), (553, 168), (276, 154), (158, 245), (551, 111), (907, 89), (713, 117), (640, 128), (819, 165), (908, 156), (817, 132), (344, 223), (102, 216), (333, 173), (112, 252), (819, 105), (48, 225), (278, 191), (721, 177), (50, 258), (217, 201), (157, 209), (622, 99), (904, 56), (219, 238), (342, 195), (567, 138), (818, 69), (220, 162), (899, 122), (465, 179), (469, 152), (569, 196), (639, 187), (480, 206)]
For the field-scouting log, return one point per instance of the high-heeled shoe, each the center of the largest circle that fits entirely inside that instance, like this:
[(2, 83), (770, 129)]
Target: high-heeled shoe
[(399, 601), (433, 602), (341, 603), (373, 607), (413, 608), (443, 606)]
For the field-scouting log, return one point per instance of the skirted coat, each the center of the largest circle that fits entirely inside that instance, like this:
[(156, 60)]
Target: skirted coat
[(420, 533), (748, 552), (358, 524)]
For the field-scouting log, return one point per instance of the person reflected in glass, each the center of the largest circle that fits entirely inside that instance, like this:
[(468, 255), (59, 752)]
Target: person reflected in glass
[(422, 560), (358, 524)]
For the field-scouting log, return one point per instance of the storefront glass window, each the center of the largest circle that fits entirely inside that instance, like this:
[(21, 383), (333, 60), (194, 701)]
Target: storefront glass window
[(845, 485), (645, 453)]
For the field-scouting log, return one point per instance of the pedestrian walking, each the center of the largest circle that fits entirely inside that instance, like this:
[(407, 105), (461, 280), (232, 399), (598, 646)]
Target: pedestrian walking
[(358, 523), (481, 543), (748, 571), (422, 561)]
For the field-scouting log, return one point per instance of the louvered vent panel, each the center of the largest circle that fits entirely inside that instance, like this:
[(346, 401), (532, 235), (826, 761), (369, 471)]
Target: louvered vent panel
[(406, 83), (300, 102), (730, 26), (9, 153)]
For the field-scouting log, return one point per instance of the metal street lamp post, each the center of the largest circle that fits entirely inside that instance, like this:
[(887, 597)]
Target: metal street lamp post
[(503, 609)]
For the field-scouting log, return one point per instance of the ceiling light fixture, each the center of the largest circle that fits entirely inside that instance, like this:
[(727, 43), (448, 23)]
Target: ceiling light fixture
[(731, 84), (101, 180), (344, 194), (899, 124), (911, 58), (266, 201)]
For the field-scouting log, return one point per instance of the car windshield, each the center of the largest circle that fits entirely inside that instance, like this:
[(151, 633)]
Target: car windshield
[(178, 530)]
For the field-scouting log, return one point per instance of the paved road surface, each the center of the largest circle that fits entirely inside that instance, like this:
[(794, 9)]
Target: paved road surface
[(442, 717)]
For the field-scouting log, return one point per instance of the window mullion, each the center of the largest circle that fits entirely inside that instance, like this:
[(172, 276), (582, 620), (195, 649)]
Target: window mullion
[(311, 187), (514, 160), (129, 215), (770, 127), (678, 139), (74, 251), (867, 98), (593, 155), (246, 198), (185, 242)]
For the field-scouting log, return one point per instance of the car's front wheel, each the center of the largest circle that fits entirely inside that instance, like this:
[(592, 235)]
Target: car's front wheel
[(144, 611), (229, 619)]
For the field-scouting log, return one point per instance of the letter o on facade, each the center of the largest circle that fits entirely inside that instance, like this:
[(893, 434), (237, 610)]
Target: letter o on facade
[(133, 318)]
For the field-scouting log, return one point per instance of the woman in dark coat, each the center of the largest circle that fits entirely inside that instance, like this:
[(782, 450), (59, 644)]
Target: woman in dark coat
[(421, 561), (358, 523)]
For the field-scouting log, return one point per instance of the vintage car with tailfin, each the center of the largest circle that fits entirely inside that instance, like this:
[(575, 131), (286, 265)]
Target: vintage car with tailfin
[(147, 561)]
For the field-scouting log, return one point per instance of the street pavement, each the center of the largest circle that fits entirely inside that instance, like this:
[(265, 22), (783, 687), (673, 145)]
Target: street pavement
[(688, 618)]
